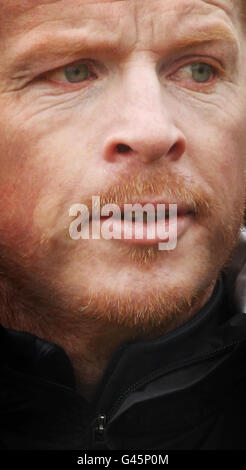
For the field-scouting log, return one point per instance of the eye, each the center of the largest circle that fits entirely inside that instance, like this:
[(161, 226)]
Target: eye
[(195, 74), (77, 73), (201, 72), (73, 73)]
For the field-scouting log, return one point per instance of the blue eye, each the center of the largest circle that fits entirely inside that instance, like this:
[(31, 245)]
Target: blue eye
[(202, 72), (77, 73)]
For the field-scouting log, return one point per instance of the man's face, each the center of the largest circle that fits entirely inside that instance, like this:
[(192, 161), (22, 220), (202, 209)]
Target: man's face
[(133, 100)]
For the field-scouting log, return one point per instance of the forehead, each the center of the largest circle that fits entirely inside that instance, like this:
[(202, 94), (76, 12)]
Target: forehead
[(26, 4), (16, 17), (11, 5)]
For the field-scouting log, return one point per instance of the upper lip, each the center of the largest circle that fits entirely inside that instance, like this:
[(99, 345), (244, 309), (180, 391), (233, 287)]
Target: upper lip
[(182, 209)]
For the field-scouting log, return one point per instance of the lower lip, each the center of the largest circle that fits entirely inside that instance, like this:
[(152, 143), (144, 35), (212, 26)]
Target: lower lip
[(138, 234)]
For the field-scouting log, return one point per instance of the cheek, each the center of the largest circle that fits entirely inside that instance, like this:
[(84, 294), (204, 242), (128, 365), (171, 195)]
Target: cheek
[(18, 201), (216, 142), (217, 158), (21, 183), (45, 173), (229, 171)]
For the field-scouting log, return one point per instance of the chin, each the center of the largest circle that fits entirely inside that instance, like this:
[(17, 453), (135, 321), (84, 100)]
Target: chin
[(147, 302)]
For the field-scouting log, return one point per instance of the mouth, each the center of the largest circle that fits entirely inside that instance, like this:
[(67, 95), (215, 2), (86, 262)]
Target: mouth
[(152, 211), (135, 223), (157, 214)]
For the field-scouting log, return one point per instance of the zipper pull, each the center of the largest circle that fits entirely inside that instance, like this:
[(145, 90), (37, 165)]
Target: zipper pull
[(99, 428)]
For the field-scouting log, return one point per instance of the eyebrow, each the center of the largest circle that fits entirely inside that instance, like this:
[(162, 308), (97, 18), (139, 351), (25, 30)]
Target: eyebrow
[(74, 45), (195, 38)]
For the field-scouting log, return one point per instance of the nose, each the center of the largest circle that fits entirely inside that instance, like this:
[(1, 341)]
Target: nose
[(143, 128)]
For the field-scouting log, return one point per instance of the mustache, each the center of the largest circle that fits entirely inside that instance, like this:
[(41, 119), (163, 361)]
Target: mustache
[(159, 186)]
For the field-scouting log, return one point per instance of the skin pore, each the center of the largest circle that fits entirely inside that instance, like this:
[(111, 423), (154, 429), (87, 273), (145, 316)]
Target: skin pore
[(61, 142)]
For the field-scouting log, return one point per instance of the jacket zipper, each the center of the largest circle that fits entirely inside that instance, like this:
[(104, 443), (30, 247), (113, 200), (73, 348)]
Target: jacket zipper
[(99, 428), (100, 423)]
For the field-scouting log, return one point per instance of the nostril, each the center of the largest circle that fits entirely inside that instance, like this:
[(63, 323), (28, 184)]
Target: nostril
[(172, 149), (122, 148), (176, 149)]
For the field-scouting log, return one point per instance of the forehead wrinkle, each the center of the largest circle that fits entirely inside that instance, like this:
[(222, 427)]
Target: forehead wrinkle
[(13, 5), (213, 24), (185, 10), (86, 31), (58, 15), (230, 7), (227, 5), (11, 8), (26, 4)]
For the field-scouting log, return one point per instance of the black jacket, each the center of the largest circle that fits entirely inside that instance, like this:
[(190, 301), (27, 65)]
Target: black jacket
[(185, 390)]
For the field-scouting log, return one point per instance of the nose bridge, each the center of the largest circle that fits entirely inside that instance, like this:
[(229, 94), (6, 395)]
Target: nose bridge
[(142, 97), (143, 124)]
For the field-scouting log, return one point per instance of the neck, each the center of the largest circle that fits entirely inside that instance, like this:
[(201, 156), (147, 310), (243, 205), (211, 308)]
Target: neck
[(89, 344)]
